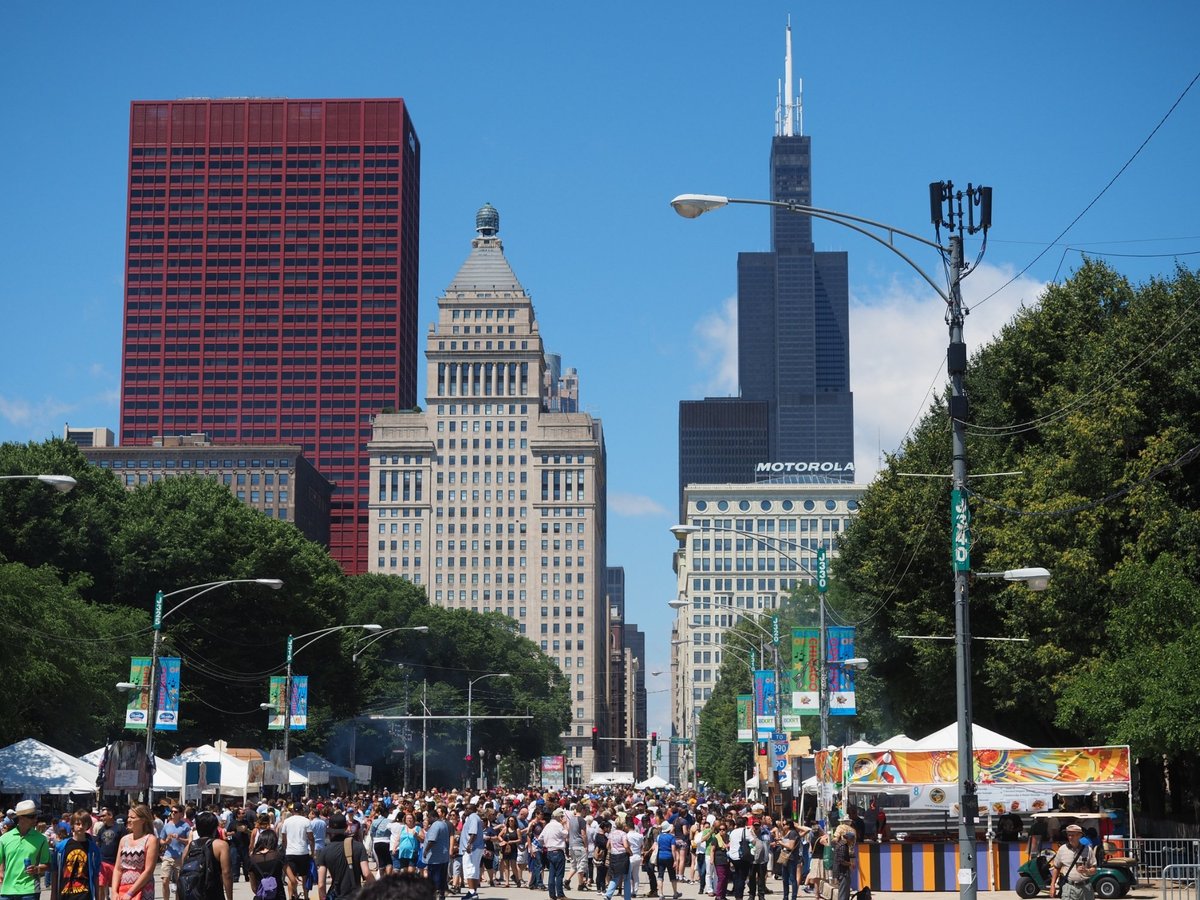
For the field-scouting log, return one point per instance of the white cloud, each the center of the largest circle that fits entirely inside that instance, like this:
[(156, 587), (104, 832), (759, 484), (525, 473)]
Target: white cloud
[(716, 348), (43, 417), (634, 505), (898, 343)]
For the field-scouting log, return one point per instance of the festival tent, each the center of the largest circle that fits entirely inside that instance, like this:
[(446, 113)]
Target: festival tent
[(167, 775), (898, 742), (654, 783), (981, 738), (32, 768), (234, 771), (316, 769), (611, 779)]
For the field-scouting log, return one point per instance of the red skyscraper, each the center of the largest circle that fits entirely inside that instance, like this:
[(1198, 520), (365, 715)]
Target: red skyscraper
[(271, 281)]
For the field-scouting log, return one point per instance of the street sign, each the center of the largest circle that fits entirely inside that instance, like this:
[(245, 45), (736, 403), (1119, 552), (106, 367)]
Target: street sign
[(779, 750), (822, 571), (681, 740), (779, 736)]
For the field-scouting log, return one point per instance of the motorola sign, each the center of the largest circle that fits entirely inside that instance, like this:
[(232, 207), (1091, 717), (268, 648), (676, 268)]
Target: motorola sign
[(802, 468)]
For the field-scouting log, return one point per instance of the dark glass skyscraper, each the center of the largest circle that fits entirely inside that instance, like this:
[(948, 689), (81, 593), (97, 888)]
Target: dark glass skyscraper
[(271, 281), (793, 325)]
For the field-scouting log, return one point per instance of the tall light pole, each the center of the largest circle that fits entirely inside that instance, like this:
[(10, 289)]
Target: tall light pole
[(470, 699), (943, 213), (292, 650), (159, 614), (62, 483), (354, 721)]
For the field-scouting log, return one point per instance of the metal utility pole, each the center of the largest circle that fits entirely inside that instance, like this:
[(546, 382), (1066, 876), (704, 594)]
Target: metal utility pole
[(424, 732), (946, 209)]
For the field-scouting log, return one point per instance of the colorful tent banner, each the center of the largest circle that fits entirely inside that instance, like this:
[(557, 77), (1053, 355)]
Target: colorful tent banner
[(806, 671), (299, 702), (1046, 766), (839, 647), (166, 705), (745, 718)]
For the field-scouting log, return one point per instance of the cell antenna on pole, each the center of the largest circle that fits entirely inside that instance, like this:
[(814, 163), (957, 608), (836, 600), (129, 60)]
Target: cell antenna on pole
[(789, 110)]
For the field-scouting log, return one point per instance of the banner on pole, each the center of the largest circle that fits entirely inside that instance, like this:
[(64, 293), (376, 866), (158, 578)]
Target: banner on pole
[(806, 671), (554, 772), (299, 702), (123, 767), (137, 710), (362, 774), (841, 678), (166, 708), (765, 700), (745, 718), (277, 770)]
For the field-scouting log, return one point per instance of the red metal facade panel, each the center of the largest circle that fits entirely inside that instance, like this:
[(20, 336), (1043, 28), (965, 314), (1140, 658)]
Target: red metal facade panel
[(271, 281)]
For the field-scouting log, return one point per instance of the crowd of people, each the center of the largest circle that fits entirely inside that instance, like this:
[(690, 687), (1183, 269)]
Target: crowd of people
[(426, 844)]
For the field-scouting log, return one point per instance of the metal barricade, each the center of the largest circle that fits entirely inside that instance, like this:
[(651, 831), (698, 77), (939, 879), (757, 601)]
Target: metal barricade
[(1180, 881), (1153, 855)]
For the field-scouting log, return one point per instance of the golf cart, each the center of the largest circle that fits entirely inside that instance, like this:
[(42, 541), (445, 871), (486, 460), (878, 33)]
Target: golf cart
[(1115, 875)]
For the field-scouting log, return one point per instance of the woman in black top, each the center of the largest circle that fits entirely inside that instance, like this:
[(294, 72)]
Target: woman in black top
[(266, 862), (510, 839)]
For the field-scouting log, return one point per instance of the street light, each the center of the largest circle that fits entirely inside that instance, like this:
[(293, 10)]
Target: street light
[(62, 483), (160, 614), (292, 650), (942, 200), (470, 699), (1033, 577), (382, 634)]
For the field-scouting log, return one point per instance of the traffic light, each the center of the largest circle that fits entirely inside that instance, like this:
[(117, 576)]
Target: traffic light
[(468, 757), (595, 738), (762, 749), (654, 739)]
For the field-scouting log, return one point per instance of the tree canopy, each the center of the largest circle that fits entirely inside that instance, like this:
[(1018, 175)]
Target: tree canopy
[(78, 577)]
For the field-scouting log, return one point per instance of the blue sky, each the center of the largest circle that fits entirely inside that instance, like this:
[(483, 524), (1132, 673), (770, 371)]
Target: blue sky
[(579, 123)]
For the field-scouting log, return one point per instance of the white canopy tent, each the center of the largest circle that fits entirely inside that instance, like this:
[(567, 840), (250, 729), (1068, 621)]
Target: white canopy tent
[(611, 779), (308, 765), (32, 768), (654, 783), (981, 738), (167, 775)]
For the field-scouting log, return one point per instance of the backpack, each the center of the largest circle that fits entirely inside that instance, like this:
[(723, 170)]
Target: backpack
[(268, 888), (744, 853), (195, 874)]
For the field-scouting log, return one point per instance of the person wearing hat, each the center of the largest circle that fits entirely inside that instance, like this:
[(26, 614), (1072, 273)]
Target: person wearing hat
[(24, 854), (343, 862), (1073, 866)]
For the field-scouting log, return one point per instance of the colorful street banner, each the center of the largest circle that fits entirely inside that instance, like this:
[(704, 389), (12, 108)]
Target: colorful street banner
[(299, 702), (554, 772), (1059, 765), (806, 671), (764, 700), (166, 705), (839, 647), (256, 771), (137, 710), (745, 718), (166, 708)]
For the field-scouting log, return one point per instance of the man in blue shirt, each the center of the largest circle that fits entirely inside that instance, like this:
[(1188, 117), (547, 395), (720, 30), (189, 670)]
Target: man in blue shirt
[(437, 850), (171, 841)]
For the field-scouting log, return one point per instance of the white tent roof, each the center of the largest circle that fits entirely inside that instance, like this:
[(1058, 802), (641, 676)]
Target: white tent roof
[(653, 783), (167, 775), (982, 738), (602, 779), (32, 768), (234, 771), (898, 742)]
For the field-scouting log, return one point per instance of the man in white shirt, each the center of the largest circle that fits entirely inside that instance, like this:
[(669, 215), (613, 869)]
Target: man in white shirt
[(739, 865), (471, 846), (297, 838)]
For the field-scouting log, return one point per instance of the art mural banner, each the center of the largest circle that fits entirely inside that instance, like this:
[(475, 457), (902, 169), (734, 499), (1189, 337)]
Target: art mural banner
[(166, 705), (299, 702), (840, 646), (806, 671), (1044, 766), (123, 767), (765, 698), (554, 772), (745, 718), (829, 766)]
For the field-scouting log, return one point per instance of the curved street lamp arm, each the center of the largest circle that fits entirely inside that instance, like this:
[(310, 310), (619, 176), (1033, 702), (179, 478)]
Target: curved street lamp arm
[(365, 643), (320, 633), (212, 586)]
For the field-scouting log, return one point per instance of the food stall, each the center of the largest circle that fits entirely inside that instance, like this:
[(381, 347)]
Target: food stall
[(1011, 779)]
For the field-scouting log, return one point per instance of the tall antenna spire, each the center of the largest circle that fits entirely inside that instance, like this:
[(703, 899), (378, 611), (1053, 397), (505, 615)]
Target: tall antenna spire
[(789, 111)]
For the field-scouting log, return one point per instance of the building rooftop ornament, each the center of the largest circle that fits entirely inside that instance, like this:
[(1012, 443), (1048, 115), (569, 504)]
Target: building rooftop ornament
[(487, 221)]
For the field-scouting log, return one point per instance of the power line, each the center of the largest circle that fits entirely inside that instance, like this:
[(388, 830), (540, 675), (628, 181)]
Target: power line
[(1095, 199)]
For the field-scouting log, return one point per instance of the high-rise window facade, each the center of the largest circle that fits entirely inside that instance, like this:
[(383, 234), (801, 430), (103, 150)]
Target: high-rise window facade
[(271, 281)]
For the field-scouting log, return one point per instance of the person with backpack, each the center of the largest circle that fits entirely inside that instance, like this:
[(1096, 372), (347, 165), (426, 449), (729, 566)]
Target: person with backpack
[(205, 871), (343, 863), (740, 856), (265, 866)]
